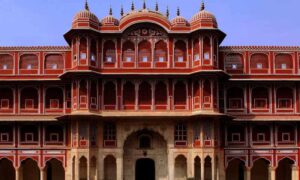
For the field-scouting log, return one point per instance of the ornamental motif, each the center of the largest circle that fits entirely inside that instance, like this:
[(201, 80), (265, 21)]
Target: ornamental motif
[(146, 32)]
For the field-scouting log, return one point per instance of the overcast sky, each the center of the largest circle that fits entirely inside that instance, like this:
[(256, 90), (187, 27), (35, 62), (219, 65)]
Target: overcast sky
[(246, 22)]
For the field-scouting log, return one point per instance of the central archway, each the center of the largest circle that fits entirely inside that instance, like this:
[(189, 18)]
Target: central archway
[(145, 156), (145, 169)]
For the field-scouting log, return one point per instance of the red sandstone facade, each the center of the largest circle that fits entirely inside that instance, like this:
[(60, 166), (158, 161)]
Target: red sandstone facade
[(225, 112)]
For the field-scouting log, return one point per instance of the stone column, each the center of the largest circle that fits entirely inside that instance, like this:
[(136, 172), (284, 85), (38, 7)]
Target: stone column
[(171, 165), (202, 167), (213, 167), (19, 175), (43, 173), (295, 172), (77, 169), (120, 167), (100, 167), (272, 173), (247, 173), (190, 166)]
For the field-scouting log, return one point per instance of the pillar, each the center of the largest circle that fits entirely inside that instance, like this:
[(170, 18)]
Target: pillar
[(213, 168), (120, 167), (295, 172), (43, 173), (190, 166), (171, 165), (19, 173), (202, 166), (247, 173), (100, 167), (272, 173)]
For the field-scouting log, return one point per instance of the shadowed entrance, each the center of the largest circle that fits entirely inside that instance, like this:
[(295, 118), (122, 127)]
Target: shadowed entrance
[(145, 169)]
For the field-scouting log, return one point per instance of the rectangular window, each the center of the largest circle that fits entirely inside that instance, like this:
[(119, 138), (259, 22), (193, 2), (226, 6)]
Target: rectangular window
[(259, 66), (128, 59), (82, 55), (93, 57), (260, 103), (145, 59), (29, 104), (283, 66), (82, 99), (261, 137), (284, 103), (29, 137), (108, 59), (234, 66), (4, 103), (54, 66), (161, 59), (29, 66), (54, 137), (206, 56), (286, 137), (180, 132), (196, 57), (4, 66), (236, 137), (235, 103), (4, 137), (180, 59)]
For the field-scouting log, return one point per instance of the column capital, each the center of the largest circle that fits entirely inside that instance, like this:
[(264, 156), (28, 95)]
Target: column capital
[(294, 167)]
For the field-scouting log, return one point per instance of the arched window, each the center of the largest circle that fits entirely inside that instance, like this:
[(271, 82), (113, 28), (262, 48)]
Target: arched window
[(109, 52), (259, 61), (6, 62), (54, 134), (54, 98), (180, 95), (128, 52), (54, 61), (145, 52), (93, 95), (29, 98), (260, 98), (83, 49), (261, 133), (29, 62), (109, 134), (161, 95), (180, 134), (286, 133), (83, 93), (145, 95), (196, 94), (283, 61), (235, 98), (161, 51), (180, 51), (234, 63), (83, 168), (180, 167), (235, 134), (29, 134), (6, 132), (284, 97), (110, 168), (128, 95), (207, 92), (6, 99), (206, 49), (196, 50), (93, 56), (109, 95)]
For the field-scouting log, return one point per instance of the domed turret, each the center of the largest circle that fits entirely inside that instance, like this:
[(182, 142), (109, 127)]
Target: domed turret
[(203, 19), (179, 21), (85, 18), (110, 20)]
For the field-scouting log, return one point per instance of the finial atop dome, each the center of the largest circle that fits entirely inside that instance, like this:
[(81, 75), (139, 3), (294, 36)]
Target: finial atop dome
[(178, 11), (132, 6), (110, 11), (156, 6), (202, 6), (144, 5), (167, 13), (86, 6), (122, 10)]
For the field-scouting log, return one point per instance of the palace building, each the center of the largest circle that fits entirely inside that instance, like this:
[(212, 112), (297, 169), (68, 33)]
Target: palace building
[(146, 97)]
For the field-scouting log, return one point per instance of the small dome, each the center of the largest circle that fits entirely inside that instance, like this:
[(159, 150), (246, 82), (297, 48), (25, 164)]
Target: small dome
[(85, 18), (179, 21), (110, 21), (204, 19)]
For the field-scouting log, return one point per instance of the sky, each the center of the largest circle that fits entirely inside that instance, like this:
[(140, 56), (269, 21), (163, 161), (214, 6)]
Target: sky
[(246, 22)]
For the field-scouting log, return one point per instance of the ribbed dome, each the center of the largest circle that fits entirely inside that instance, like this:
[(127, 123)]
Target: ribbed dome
[(179, 21), (110, 21), (85, 15), (204, 19)]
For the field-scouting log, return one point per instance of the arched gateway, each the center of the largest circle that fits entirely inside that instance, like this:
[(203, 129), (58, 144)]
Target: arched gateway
[(145, 156)]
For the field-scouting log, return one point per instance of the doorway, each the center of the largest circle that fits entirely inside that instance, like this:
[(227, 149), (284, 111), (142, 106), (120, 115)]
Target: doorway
[(145, 169)]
